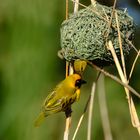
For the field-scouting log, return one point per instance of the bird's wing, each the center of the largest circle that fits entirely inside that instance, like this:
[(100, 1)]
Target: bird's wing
[(52, 95), (53, 107)]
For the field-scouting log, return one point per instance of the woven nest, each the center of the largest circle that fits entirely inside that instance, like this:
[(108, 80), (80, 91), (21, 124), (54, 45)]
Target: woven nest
[(85, 34)]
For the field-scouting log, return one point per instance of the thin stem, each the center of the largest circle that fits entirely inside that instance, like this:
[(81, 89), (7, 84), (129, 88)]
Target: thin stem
[(81, 119), (103, 108), (91, 103), (93, 2), (78, 126), (67, 9), (91, 10), (90, 111), (133, 113), (115, 79), (82, 116), (68, 112), (67, 127), (111, 48), (110, 21), (76, 6), (133, 66), (120, 44), (130, 43), (69, 71)]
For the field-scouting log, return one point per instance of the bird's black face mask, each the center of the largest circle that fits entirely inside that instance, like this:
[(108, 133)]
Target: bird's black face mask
[(79, 82)]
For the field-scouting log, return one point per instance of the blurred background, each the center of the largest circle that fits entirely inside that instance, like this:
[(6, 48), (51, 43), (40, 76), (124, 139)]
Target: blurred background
[(30, 68)]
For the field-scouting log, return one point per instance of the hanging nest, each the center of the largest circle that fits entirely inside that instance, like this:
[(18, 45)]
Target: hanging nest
[(86, 33)]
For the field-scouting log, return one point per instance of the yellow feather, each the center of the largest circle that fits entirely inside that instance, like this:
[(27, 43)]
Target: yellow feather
[(62, 97), (79, 66)]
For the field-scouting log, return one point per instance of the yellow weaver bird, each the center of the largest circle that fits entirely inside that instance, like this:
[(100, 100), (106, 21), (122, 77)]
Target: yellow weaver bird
[(61, 98)]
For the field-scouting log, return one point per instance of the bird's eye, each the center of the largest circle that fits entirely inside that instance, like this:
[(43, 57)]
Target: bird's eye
[(79, 82)]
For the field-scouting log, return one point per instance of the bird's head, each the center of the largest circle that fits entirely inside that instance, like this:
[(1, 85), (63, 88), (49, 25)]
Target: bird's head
[(76, 80)]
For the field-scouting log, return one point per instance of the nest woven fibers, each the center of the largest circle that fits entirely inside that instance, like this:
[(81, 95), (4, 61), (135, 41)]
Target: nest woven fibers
[(85, 34)]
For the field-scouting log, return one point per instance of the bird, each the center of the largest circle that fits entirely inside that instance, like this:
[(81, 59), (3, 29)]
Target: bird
[(61, 98)]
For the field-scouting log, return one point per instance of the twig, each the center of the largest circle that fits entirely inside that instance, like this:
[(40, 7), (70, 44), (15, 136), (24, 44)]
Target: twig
[(93, 2), (67, 127), (67, 9), (111, 48), (110, 21), (113, 10), (115, 79), (91, 102), (76, 6), (133, 113), (78, 126), (120, 44), (81, 119), (85, 109), (69, 71), (133, 66), (103, 108), (67, 68), (130, 43), (91, 10), (90, 111)]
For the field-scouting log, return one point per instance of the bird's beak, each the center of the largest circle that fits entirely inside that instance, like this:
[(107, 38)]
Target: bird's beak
[(83, 82)]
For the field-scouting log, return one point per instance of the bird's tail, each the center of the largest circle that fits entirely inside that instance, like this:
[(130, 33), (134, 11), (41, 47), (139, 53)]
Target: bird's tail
[(39, 119)]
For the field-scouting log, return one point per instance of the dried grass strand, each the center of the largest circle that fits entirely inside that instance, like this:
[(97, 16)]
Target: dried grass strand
[(133, 113), (67, 9), (81, 119), (91, 10), (103, 108), (93, 2), (130, 43), (120, 44), (133, 65), (69, 71), (110, 22), (115, 79), (91, 102), (76, 6)]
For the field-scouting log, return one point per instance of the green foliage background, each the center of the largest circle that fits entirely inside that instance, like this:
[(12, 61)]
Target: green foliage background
[(30, 68)]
